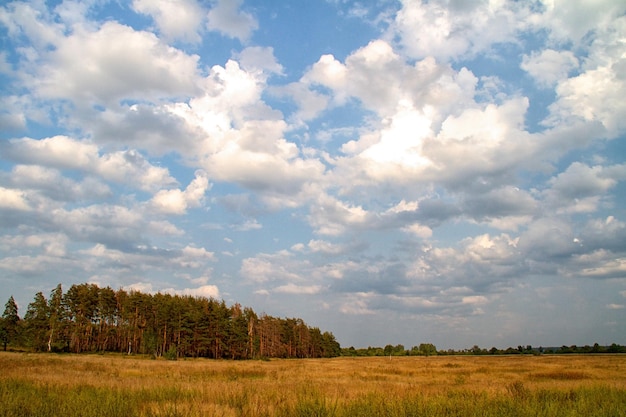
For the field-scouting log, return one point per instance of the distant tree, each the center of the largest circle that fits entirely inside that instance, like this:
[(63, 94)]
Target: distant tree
[(426, 349), (9, 327), (351, 351), (476, 350), (615, 348)]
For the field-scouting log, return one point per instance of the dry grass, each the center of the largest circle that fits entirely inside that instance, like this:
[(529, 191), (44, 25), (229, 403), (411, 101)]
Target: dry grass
[(541, 385)]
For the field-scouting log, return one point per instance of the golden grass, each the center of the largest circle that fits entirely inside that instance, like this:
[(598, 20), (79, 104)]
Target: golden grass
[(338, 386)]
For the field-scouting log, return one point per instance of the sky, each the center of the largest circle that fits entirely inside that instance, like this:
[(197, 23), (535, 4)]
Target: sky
[(395, 172)]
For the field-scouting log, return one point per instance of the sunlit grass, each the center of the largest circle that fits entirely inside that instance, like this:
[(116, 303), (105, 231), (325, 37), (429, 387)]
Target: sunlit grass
[(114, 385)]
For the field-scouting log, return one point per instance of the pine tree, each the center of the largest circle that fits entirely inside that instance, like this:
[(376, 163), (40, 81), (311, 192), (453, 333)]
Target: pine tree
[(56, 316), (37, 323), (10, 321)]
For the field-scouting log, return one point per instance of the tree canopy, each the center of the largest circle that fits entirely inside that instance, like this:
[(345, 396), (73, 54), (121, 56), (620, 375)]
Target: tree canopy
[(87, 318)]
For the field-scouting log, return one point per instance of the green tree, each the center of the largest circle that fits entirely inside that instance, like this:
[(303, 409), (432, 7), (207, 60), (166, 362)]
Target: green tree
[(56, 317), (9, 327), (37, 323), (106, 319), (330, 346), (82, 306), (427, 349)]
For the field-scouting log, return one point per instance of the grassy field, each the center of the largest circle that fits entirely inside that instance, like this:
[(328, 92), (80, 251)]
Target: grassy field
[(102, 385)]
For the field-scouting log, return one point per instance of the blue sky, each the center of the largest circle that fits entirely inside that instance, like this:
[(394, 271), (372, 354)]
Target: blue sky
[(411, 172)]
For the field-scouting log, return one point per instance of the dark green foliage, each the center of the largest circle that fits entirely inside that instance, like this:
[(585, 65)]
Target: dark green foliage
[(9, 324), (87, 318)]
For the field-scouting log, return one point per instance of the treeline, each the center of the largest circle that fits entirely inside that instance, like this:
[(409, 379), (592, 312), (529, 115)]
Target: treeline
[(87, 318), (530, 350), (424, 349), (427, 349)]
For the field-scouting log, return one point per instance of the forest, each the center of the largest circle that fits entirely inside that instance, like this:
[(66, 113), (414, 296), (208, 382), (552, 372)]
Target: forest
[(87, 318)]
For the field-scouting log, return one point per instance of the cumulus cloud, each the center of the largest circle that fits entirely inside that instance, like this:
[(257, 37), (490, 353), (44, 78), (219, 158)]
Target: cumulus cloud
[(310, 103), (227, 18), (573, 20), (207, 291), (259, 59), (451, 30), (548, 67), (116, 63), (580, 187), (298, 289), (174, 19), (13, 199), (243, 139), (382, 79), (592, 95), (52, 184), (65, 153), (177, 201)]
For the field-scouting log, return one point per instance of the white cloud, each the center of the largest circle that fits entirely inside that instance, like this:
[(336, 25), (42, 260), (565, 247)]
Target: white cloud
[(116, 63), (451, 30), (13, 199), (62, 152), (58, 151), (207, 291), (51, 244), (572, 20), (143, 260), (611, 268), (310, 103), (177, 201), (330, 216), (419, 230), (259, 59), (580, 188), (225, 17), (580, 180), (268, 267), (357, 305), (298, 289), (381, 79), (51, 183), (12, 114), (34, 22), (178, 19), (243, 139), (549, 67), (329, 248), (129, 166), (594, 95)]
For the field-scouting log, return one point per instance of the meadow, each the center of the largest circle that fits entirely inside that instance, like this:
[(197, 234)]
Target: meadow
[(115, 385)]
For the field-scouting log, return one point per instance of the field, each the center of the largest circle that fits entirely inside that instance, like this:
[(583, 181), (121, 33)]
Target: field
[(113, 385)]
